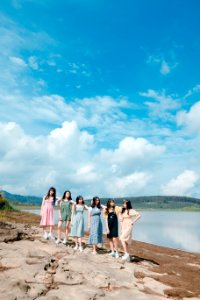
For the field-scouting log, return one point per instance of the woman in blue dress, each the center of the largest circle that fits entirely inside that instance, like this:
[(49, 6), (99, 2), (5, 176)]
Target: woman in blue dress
[(77, 226), (95, 224)]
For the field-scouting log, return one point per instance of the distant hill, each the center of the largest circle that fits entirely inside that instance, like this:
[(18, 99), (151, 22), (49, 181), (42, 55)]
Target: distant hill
[(28, 200), (141, 202), (161, 202)]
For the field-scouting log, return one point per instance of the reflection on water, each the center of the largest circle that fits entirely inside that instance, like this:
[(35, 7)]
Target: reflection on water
[(180, 230)]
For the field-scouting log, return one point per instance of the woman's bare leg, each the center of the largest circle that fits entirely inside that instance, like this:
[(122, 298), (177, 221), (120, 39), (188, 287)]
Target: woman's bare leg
[(67, 229), (125, 246), (94, 246), (115, 242), (59, 229), (111, 244)]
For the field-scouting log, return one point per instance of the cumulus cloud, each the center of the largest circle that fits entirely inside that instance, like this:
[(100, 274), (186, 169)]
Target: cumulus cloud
[(182, 184), (131, 154), (67, 158), (190, 119), (127, 185), (30, 164)]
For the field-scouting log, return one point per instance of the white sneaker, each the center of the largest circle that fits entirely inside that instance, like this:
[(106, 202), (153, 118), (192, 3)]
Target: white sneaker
[(111, 254), (45, 235), (65, 241), (80, 248), (50, 236), (76, 247), (126, 257), (94, 252), (58, 241), (116, 254)]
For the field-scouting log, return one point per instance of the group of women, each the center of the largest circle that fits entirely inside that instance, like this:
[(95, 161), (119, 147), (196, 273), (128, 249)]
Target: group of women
[(72, 214)]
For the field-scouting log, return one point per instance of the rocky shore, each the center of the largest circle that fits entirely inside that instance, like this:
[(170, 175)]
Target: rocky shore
[(34, 268)]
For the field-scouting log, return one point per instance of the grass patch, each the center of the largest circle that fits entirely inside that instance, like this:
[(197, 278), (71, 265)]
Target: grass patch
[(19, 217)]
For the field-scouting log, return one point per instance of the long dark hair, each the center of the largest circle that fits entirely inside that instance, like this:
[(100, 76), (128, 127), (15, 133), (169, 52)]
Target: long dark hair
[(93, 204), (70, 195), (54, 194), (78, 198), (108, 206), (128, 206)]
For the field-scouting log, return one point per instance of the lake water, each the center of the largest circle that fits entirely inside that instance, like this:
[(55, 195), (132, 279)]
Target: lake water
[(174, 229)]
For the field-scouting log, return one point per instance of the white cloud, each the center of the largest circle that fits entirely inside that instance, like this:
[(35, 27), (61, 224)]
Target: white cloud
[(68, 158), (30, 164), (18, 61), (127, 185), (33, 63), (192, 91), (15, 38), (162, 106), (165, 68), (182, 184), (190, 119), (132, 154), (98, 112)]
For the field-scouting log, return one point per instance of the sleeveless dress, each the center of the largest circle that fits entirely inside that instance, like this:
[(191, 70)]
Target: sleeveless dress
[(47, 212), (112, 218), (96, 228), (77, 226), (126, 224), (112, 225), (66, 210)]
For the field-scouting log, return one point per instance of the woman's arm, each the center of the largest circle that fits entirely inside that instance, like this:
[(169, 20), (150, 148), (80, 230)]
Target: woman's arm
[(73, 212), (136, 214), (58, 199), (59, 211), (43, 200), (89, 218), (107, 228), (72, 201), (103, 207)]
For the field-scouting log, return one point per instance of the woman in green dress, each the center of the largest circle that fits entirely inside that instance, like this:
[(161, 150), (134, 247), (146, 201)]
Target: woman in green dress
[(65, 213)]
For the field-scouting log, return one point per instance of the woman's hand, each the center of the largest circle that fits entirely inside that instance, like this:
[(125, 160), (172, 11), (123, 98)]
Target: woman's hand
[(108, 231)]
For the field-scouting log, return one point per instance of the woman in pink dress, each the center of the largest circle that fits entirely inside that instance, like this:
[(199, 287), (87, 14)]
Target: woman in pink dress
[(47, 212), (127, 221)]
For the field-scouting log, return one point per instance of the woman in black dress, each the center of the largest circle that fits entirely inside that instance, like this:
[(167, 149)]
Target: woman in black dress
[(111, 216)]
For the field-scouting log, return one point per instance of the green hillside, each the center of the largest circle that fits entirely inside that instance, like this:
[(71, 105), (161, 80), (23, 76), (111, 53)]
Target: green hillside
[(141, 202), (161, 202), (18, 199)]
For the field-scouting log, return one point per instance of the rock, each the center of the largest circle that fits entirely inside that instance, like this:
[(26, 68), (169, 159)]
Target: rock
[(32, 269)]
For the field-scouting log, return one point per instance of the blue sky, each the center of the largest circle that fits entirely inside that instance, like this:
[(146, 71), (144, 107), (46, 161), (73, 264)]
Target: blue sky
[(113, 84)]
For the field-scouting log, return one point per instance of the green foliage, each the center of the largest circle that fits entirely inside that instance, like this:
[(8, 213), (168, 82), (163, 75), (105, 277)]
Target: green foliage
[(5, 205)]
